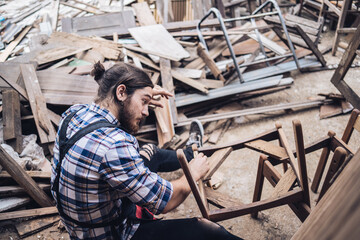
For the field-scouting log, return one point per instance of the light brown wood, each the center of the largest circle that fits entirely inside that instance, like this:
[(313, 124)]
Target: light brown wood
[(30, 227), (205, 56), (143, 14), (34, 174), (220, 199), (188, 81), (6, 53), (38, 104), (168, 84), (57, 53), (24, 180), (285, 183), (216, 159), (268, 148), (28, 213)]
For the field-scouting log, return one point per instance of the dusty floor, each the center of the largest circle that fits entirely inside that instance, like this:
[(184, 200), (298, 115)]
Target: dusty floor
[(241, 166)]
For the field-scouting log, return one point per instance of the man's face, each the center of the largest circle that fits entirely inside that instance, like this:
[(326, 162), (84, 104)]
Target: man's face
[(135, 109)]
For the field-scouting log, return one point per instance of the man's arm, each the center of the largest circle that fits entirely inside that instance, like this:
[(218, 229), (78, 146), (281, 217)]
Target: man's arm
[(199, 166)]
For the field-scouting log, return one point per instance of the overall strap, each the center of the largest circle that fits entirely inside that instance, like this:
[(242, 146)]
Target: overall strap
[(64, 146)]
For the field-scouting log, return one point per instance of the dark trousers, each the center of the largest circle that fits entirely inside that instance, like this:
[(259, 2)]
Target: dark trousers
[(166, 160), (187, 228)]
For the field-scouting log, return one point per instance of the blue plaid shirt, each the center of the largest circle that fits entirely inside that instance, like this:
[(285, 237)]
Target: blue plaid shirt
[(100, 169)]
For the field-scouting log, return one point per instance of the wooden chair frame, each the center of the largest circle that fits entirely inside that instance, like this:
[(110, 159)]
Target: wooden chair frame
[(232, 208)]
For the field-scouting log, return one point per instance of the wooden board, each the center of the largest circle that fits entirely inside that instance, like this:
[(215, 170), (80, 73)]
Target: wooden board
[(153, 38), (33, 226), (6, 191), (28, 213), (193, 83), (34, 174), (187, 72), (285, 183), (143, 14), (100, 25), (38, 104), (244, 47), (276, 152), (57, 53), (168, 84), (273, 46), (216, 159), (6, 53)]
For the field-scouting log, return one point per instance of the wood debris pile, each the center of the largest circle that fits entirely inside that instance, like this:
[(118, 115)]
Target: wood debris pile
[(48, 48)]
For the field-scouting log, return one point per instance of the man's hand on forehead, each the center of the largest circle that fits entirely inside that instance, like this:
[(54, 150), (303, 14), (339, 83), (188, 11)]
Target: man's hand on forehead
[(159, 92)]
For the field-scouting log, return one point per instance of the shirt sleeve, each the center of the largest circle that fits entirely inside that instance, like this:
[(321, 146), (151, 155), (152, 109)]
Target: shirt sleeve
[(123, 168)]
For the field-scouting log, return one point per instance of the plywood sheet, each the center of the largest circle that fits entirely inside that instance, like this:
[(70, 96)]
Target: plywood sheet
[(157, 39)]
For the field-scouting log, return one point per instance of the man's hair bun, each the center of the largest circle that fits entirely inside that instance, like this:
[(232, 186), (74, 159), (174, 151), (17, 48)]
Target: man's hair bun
[(98, 71)]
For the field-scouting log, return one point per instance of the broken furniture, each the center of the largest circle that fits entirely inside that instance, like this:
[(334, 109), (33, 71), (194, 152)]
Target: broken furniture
[(338, 77), (337, 214), (341, 151), (303, 32), (347, 7), (283, 194), (256, 36)]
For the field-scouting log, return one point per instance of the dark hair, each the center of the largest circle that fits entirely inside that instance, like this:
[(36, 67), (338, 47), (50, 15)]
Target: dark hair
[(132, 77)]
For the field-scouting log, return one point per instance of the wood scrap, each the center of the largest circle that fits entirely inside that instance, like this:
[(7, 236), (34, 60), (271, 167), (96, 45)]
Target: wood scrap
[(143, 14), (205, 56), (10, 203), (4, 55), (30, 227)]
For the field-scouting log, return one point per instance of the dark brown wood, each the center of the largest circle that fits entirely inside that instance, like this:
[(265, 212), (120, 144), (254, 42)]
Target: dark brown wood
[(300, 152), (12, 119), (337, 215), (216, 159), (311, 45), (20, 176), (227, 213), (28, 213), (7, 191), (337, 160), (320, 169), (354, 117), (33, 174), (344, 65), (194, 188), (259, 182)]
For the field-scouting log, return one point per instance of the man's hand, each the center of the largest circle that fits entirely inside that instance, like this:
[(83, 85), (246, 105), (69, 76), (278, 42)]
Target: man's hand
[(159, 91), (199, 166)]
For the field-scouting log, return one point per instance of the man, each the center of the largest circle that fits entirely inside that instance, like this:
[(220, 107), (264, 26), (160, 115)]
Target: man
[(100, 182)]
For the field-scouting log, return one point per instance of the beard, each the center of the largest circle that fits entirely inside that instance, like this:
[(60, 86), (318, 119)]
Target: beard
[(128, 119)]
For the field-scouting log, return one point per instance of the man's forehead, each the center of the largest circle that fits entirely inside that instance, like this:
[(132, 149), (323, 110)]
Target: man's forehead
[(147, 91)]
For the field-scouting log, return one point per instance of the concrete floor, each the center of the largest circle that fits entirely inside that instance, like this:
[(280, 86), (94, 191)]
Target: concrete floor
[(240, 168)]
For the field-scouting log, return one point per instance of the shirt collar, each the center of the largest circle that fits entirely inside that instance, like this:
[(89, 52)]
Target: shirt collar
[(104, 113)]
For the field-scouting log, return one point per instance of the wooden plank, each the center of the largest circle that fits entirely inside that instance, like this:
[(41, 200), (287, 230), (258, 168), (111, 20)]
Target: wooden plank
[(205, 56), (276, 152), (24, 180), (6, 53), (244, 47), (192, 83), (28, 213), (54, 15), (285, 183), (11, 203), (152, 38), (142, 59), (12, 120), (30, 227), (89, 10), (6, 191), (273, 46), (235, 211), (211, 83), (220, 200), (57, 53), (38, 104), (216, 159), (33, 174), (165, 126), (187, 72), (143, 14), (168, 84), (303, 21)]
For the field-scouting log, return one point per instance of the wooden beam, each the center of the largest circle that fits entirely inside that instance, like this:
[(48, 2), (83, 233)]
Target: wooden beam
[(201, 51), (24, 180), (6, 53)]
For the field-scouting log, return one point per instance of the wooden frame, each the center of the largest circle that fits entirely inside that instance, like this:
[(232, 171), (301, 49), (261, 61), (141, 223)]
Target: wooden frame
[(338, 78), (341, 151), (231, 208)]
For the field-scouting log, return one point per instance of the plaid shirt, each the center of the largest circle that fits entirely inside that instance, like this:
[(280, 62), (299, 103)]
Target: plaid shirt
[(100, 169)]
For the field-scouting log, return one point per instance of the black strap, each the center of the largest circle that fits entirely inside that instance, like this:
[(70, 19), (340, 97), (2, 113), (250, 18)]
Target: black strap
[(64, 146)]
